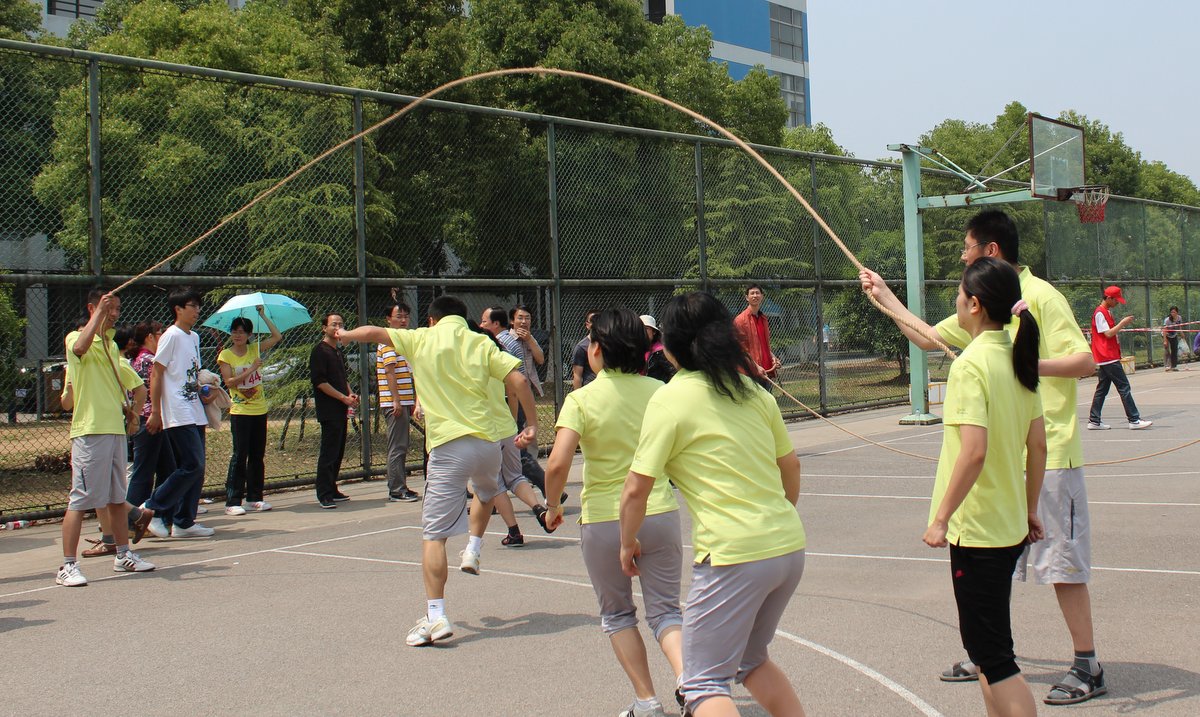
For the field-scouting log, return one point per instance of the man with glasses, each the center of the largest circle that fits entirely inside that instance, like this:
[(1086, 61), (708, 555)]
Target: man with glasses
[(333, 399), (176, 410)]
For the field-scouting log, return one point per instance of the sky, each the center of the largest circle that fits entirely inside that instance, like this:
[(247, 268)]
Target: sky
[(887, 71)]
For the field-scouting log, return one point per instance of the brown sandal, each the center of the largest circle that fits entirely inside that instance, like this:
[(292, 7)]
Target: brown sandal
[(99, 548)]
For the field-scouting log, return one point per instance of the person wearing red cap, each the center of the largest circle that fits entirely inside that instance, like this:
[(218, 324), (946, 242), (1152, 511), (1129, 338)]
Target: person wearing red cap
[(1106, 350)]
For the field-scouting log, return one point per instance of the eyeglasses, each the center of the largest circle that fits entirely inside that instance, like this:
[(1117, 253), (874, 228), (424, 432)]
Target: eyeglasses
[(972, 246), (192, 305)]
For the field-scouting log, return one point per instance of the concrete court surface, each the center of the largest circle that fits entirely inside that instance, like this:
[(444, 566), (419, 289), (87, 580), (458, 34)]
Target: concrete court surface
[(304, 611)]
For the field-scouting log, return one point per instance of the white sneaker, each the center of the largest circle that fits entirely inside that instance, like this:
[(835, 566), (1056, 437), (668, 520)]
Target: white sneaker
[(1098, 426), (234, 510), (1140, 424), (655, 710), (257, 506), (196, 531), (70, 576), (470, 562), (131, 562), (426, 633), (201, 510), (159, 528)]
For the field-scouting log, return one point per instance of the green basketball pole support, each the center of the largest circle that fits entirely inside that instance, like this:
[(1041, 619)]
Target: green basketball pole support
[(914, 260)]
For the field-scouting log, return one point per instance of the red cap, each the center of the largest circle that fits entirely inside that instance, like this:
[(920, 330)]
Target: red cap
[(1114, 292)]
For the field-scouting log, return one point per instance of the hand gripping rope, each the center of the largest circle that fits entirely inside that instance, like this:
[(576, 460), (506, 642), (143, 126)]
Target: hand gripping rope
[(932, 336)]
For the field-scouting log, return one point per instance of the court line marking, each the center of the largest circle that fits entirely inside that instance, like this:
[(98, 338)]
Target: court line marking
[(869, 445), (891, 685), (926, 498)]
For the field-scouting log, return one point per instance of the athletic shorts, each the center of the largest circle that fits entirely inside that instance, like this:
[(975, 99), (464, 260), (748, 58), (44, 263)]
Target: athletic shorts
[(451, 466), (661, 567), (1065, 554), (511, 474), (97, 471), (731, 616), (982, 588)]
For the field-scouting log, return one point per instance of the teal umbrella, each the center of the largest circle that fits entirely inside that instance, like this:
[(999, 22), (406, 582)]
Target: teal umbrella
[(284, 311)]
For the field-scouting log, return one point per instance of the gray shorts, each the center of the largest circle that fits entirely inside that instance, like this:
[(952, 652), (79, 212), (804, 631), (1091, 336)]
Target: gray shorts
[(97, 471), (511, 474), (661, 566), (451, 466), (731, 615), (1065, 554)]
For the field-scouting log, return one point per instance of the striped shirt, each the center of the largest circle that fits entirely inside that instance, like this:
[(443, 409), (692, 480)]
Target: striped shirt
[(386, 356)]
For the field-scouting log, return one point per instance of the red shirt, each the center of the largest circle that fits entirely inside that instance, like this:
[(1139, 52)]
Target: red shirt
[(755, 336), (1105, 349)]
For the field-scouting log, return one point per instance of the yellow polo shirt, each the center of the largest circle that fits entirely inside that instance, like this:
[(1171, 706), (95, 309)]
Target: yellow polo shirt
[(1060, 336), (983, 391), (607, 415), (454, 366), (722, 454), (98, 399), (256, 405)]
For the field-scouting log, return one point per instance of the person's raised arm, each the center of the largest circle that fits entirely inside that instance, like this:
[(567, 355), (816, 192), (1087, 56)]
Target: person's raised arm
[(557, 468), (95, 325), (878, 288), (535, 349), (962, 478), (364, 334), (269, 343), (1077, 365)]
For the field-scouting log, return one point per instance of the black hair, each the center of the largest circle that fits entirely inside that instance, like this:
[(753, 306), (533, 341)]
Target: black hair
[(447, 305), (242, 323), (497, 315), (622, 339), (752, 286), (590, 312), (1173, 308), (178, 298), (512, 313), (81, 321), (93, 297), (477, 329), (399, 305), (144, 329), (123, 338), (996, 285), (699, 332), (325, 318), (994, 226)]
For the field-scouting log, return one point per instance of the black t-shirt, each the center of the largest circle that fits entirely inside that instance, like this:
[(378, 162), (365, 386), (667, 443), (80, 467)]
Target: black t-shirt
[(326, 365), (579, 358)]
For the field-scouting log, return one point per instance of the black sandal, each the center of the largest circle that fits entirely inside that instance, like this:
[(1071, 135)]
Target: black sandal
[(1090, 686)]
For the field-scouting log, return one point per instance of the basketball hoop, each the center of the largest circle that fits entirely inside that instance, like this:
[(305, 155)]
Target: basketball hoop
[(1090, 203)]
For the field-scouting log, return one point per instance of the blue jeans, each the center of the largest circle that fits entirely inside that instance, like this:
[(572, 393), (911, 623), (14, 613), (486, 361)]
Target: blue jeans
[(179, 495), (1112, 374)]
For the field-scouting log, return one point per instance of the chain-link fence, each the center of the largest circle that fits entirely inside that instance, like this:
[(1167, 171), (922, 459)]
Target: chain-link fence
[(110, 164)]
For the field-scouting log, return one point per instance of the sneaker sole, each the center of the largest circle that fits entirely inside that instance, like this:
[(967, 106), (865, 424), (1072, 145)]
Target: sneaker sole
[(133, 570), (469, 570), (65, 584), (418, 644), (441, 635)]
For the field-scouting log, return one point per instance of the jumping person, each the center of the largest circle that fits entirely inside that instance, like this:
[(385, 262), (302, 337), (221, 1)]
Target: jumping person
[(721, 440), (453, 366), (982, 505), (239, 366), (1064, 557), (605, 417), (100, 379)]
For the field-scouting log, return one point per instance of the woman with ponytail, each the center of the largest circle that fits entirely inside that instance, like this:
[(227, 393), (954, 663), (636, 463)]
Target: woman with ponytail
[(983, 507), (721, 439)]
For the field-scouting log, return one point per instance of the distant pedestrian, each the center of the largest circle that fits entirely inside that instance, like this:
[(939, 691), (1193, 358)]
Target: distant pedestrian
[(581, 371), (657, 366), (333, 399), (1106, 351), (397, 402), (1170, 334), (755, 335)]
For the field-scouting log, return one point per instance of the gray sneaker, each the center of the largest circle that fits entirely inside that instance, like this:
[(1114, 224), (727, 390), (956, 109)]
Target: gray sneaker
[(131, 562), (196, 531)]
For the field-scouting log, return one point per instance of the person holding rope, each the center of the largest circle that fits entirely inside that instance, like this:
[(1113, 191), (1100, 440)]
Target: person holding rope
[(100, 380), (605, 417), (454, 367), (982, 506), (721, 440), (1063, 558)]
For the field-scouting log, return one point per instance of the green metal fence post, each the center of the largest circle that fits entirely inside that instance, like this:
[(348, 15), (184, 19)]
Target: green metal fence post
[(819, 297), (914, 259), (365, 372), (95, 223), (701, 235), (555, 270), (1149, 310)]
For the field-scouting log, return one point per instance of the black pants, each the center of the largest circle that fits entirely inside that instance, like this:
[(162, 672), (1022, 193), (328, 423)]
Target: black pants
[(246, 470), (982, 588), (1112, 374), (530, 467), (329, 460), (1172, 352)]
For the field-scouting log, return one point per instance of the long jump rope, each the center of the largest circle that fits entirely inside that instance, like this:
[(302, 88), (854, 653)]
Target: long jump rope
[(922, 330)]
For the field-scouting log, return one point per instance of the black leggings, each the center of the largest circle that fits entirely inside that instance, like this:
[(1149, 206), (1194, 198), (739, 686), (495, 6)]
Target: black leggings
[(246, 470), (982, 588)]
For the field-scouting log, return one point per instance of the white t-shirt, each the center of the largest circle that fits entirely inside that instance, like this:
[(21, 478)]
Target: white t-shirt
[(1101, 327), (179, 352)]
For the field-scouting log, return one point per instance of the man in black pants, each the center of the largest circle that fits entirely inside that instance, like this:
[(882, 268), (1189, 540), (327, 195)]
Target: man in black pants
[(333, 397)]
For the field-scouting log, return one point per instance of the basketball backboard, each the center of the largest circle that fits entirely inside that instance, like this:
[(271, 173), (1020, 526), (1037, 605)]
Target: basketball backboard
[(1055, 156)]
